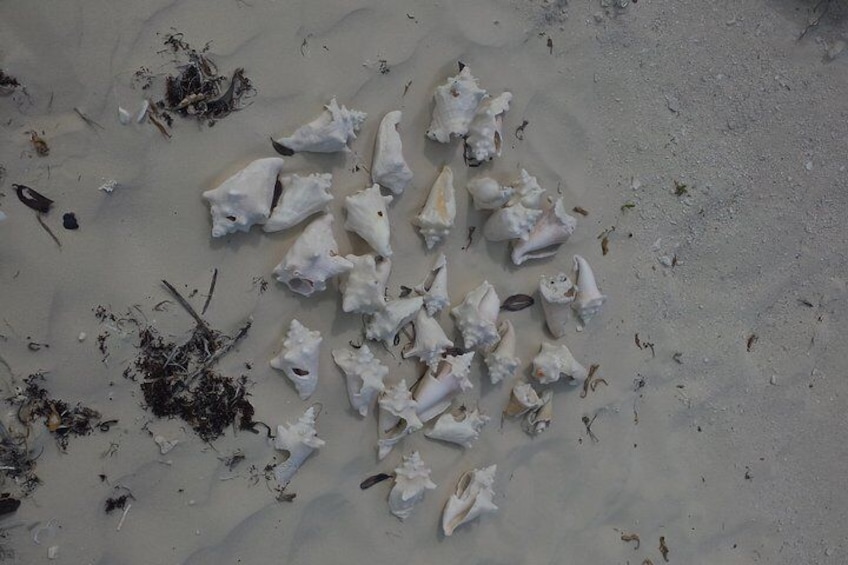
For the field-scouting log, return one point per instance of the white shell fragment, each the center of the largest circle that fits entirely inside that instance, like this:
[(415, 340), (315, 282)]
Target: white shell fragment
[(124, 117), (527, 190), (477, 316), (301, 197), (515, 221), (364, 376), (434, 288), (364, 289), (299, 358), (299, 441), (502, 362), (488, 194), (430, 341), (368, 217), (2, 216), (588, 301), (557, 293), (386, 323), (313, 259), (485, 135), (412, 480), (389, 169), (554, 227), (459, 426), (436, 389), (522, 399), (538, 419), (471, 499), (437, 218), (396, 418), (245, 198), (328, 133), (456, 103), (555, 361)]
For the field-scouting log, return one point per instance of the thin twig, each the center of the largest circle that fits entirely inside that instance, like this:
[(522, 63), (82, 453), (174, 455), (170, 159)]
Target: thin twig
[(48, 230), (89, 122), (123, 517), (211, 290), (212, 359), (184, 303)]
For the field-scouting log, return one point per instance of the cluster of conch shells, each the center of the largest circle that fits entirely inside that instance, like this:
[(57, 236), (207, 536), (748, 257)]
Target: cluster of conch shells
[(430, 340), (245, 199), (299, 441), (328, 133), (364, 288), (477, 316), (471, 499), (456, 103), (436, 389), (439, 213), (412, 481), (434, 287), (364, 376), (588, 300), (501, 361), (485, 132), (301, 198), (299, 358), (368, 217), (384, 324), (556, 361), (461, 427), (557, 294), (388, 168), (313, 259), (553, 228), (397, 417)]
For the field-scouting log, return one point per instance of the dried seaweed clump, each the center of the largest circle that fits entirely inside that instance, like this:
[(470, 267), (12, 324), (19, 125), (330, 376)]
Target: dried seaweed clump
[(8, 83)]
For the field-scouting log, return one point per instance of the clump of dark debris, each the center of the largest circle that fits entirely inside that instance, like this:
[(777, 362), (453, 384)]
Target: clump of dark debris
[(8, 83)]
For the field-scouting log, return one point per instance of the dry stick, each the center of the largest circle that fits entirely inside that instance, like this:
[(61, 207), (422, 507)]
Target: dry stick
[(91, 123), (184, 303), (123, 517), (221, 352), (48, 230), (211, 290)]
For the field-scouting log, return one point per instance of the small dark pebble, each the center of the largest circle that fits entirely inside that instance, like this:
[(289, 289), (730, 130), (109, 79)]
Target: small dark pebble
[(517, 302), (69, 220)]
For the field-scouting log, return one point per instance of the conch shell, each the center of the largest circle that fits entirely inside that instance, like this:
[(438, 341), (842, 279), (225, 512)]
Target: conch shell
[(477, 316), (328, 133), (554, 227), (299, 358), (485, 135), (514, 221), (555, 361), (588, 301), (386, 323), (471, 499), (397, 417), (456, 104), (460, 427), (368, 217), (364, 289), (522, 400), (389, 169), (502, 361), (301, 197), (557, 293), (488, 194), (539, 419), (364, 376), (436, 389), (299, 440), (412, 480), (430, 340), (436, 219), (434, 288)]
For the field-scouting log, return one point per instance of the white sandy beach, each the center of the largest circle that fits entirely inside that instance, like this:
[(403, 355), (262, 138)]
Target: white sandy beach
[(705, 139)]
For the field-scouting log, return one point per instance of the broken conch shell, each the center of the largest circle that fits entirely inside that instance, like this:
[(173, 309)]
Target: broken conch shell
[(488, 194), (588, 300), (522, 399), (301, 197), (556, 361), (299, 441), (412, 480), (368, 217), (437, 218), (538, 419), (299, 358), (328, 133), (485, 132), (471, 499), (436, 389), (552, 229), (434, 288), (396, 418), (456, 103), (364, 376), (461, 427), (557, 293), (389, 169), (384, 324)]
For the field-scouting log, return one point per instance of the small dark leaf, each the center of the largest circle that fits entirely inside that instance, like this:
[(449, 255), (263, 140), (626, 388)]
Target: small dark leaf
[(455, 351), (8, 505), (461, 65), (299, 372), (517, 302), (405, 291), (373, 480), (32, 199), (281, 149)]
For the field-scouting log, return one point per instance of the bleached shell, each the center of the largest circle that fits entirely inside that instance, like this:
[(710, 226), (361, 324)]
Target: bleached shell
[(456, 103), (389, 169), (313, 259), (554, 227), (386, 323), (462, 428), (299, 358), (412, 480), (511, 222), (434, 391), (527, 190), (539, 419), (364, 288), (244, 199), (485, 135), (430, 340), (434, 288), (557, 293), (471, 499), (588, 300), (364, 376), (301, 197), (477, 316), (502, 362), (299, 440), (328, 133), (397, 417), (522, 399), (2, 216), (124, 117), (488, 194), (437, 218), (555, 361), (368, 217)]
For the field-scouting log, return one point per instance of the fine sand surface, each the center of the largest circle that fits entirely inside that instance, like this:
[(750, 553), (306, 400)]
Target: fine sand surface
[(730, 448)]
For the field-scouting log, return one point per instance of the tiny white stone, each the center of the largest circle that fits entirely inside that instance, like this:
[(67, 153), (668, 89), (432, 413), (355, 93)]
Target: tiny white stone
[(81, 336), (53, 552)]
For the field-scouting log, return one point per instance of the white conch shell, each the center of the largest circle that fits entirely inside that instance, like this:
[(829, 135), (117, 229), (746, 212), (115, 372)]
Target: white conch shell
[(485, 135), (539, 419), (386, 323), (527, 190), (434, 288), (488, 194), (436, 389), (515, 221), (456, 103), (301, 197), (299, 440), (328, 133), (299, 358), (522, 399), (396, 418), (502, 361), (477, 317), (412, 480), (368, 217), (557, 293), (388, 168), (554, 227), (460, 427), (430, 340), (364, 376), (437, 217), (245, 198), (364, 289), (472, 498), (554, 361), (312, 259), (588, 301)]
